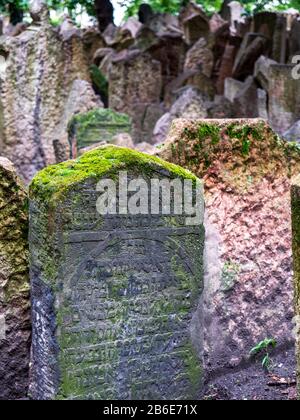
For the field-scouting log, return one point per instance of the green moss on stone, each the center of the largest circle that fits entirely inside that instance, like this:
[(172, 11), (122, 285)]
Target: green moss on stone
[(97, 125), (295, 193), (99, 81), (52, 182)]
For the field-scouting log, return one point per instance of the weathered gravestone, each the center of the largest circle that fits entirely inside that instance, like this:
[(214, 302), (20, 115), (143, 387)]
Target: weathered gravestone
[(115, 298), (135, 85), (14, 286), (248, 293), (95, 126), (295, 193), (284, 97)]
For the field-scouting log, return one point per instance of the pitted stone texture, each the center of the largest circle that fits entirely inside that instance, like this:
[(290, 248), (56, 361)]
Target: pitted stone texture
[(246, 170), (36, 89), (101, 125), (14, 286), (115, 298), (295, 194)]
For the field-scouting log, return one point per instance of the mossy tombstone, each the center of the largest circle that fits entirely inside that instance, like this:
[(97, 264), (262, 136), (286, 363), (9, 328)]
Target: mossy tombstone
[(14, 286), (99, 125), (115, 297)]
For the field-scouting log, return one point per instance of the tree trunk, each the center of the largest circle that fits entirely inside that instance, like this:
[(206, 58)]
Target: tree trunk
[(104, 13)]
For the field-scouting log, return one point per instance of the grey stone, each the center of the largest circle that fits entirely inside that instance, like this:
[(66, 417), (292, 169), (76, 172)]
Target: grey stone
[(243, 96), (262, 102), (232, 89), (284, 97), (295, 37), (37, 90), (135, 83), (115, 299), (293, 133), (200, 57), (191, 104)]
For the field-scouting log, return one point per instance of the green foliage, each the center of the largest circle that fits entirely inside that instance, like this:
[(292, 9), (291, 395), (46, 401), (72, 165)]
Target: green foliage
[(131, 7), (210, 6), (264, 348)]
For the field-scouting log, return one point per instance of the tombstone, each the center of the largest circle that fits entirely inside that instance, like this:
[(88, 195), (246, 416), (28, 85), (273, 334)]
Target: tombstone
[(262, 71), (170, 51), (280, 40), (262, 104), (39, 11), (226, 66), (34, 115), (200, 57), (145, 13), (88, 129), (14, 286), (248, 293), (237, 16), (293, 133), (253, 46), (245, 103), (295, 37), (265, 23), (190, 104), (295, 194), (284, 97), (104, 13), (114, 298), (135, 83), (195, 23)]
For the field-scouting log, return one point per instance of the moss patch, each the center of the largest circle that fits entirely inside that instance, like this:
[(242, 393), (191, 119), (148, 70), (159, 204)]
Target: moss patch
[(296, 257), (52, 182)]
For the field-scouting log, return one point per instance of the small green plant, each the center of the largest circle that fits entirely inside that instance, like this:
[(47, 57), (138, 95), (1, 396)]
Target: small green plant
[(264, 348)]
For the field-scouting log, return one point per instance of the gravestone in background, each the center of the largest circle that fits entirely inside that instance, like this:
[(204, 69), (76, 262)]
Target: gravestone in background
[(295, 193), (92, 127), (115, 298), (14, 286), (246, 169)]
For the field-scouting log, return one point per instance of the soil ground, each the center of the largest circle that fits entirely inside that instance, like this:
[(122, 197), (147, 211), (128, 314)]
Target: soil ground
[(254, 383)]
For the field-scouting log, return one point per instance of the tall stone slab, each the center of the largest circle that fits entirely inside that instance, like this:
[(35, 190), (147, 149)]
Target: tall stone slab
[(247, 172), (46, 81), (115, 298), (135, 84), (14, 286), (295, 194)]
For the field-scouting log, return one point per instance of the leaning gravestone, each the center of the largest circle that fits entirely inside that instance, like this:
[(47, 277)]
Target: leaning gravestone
[(88, 129), (115, 297), (14, 286), (295, 194), (246, 169)]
